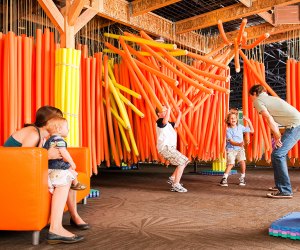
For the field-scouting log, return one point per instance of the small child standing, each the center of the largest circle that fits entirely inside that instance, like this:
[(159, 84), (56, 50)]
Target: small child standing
[(235, 147), (166, 146), (61, 171)]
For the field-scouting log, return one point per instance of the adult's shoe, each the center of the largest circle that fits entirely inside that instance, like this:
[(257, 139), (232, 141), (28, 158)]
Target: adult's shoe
[(56, 239), (279, 195), (79, 226), (273, 189)]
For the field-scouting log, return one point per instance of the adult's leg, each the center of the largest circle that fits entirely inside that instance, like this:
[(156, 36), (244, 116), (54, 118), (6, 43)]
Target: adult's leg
[(279, 160), (72, 206), (59, 199)]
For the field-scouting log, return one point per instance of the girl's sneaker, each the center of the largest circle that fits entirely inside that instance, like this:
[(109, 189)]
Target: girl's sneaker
[(178, 188)]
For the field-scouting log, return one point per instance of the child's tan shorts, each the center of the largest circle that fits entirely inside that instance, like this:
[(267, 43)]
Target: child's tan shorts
[(233, 155), (174, 156)]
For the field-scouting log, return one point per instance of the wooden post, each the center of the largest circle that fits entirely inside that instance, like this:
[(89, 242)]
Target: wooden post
[(69, 22)]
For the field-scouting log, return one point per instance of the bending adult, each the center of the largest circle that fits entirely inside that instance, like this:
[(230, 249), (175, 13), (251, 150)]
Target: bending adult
[(34, 135), (277, 111)]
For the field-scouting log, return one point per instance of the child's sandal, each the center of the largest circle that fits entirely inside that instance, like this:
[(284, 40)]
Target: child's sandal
[(78, 186)]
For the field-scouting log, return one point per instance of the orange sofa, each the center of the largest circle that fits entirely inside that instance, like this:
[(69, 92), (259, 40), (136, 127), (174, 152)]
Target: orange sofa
[(25, 200)]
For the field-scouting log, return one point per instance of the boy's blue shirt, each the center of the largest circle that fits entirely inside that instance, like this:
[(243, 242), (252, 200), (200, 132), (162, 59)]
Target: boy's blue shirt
[(235, 134)]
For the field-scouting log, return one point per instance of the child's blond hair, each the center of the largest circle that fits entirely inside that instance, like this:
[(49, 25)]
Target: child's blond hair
[(54, 124), (227, 120)]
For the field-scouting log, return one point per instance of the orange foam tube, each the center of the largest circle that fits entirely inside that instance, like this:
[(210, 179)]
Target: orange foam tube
[(236, 57), (258, 77), (140, 75), (93, 114), (38, 68), (46, 63), (135, 78), (222, 32), (99, 130), (108, 114), (241, 30), (256, 42)]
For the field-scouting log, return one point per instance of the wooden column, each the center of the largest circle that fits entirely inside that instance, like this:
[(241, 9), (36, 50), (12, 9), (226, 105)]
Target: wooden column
[(69, 22)]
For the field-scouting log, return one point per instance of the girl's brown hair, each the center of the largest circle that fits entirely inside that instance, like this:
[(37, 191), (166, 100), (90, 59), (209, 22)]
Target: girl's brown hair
[(45, 113)]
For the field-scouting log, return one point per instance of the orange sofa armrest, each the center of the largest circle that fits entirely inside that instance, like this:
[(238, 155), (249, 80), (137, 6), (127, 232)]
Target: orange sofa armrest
[(24, 188), (81, 157)]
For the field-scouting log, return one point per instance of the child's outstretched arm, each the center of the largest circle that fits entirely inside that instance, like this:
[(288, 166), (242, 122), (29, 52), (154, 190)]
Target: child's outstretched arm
[(249, 123), (67, 157), (167, 116), (234, 143), (178, 118)]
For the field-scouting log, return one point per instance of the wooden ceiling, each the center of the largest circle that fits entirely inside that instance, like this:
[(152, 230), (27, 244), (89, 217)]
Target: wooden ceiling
[(185, 22), (175, 19)]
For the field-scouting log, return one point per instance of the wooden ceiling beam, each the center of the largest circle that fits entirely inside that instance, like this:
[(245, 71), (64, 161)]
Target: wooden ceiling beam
[(84, 18), (140, 7), (228, 13), (280, 37), (269, 18), (74, 11), (118, 11), (53, 13), (264, 15), (247, 3)]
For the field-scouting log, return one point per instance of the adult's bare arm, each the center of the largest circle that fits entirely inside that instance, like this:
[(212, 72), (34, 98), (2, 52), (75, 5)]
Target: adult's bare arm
[(273, 126)]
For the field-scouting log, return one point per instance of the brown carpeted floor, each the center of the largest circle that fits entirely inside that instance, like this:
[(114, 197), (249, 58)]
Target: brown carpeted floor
[(136, 210)]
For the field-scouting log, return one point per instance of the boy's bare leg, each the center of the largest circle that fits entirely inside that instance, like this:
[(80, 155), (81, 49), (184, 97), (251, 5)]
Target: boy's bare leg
[(228, 169), (243, 167)]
